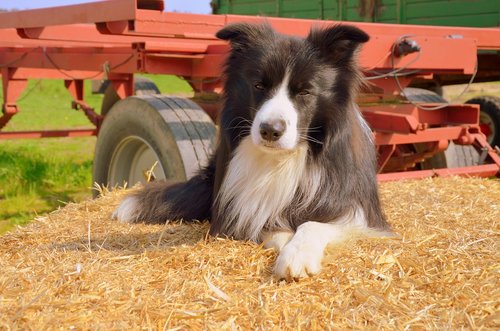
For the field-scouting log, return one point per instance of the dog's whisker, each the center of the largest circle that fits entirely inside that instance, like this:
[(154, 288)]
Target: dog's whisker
[(247, 123), (240, 127), (306, 132), (243, 133), (310, 128), (311, 139), (308, 137), (314, 129), (242, 121)]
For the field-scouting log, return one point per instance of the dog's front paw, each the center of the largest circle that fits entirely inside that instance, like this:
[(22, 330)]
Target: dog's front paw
[(298, 260), (276, 240), (127, 211)]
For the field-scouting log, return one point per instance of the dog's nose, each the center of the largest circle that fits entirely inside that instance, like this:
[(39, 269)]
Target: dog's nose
[(272, 130)]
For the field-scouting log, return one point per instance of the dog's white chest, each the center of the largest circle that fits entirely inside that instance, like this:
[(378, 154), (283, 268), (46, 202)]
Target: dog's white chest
[(257, 188)]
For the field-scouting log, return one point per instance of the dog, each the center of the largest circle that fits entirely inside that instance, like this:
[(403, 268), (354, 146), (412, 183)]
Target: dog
[(295, 164)]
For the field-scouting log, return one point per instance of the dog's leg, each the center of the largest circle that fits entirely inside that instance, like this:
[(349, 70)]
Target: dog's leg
[(158, 202), (302, 255), (276, 239)]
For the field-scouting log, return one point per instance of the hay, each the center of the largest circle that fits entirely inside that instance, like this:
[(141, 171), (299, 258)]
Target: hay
[(77, 269)]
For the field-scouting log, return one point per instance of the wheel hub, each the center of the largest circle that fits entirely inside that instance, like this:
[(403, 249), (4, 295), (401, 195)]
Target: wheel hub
[(134, 161)]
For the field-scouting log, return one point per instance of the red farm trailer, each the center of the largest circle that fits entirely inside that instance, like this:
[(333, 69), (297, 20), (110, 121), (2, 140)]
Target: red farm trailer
[(417, 133)]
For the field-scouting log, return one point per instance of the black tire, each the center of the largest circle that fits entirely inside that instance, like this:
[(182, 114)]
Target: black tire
[(490, 116), (431, 85), (142, 86), (140, 130), (419, 95), (464, 156), (436, 88), (455, 156)]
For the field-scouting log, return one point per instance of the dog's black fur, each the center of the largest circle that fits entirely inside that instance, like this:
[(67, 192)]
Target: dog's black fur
[(324, 79)]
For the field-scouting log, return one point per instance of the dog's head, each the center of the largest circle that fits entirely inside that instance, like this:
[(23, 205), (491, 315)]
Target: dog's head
[(286, 86)]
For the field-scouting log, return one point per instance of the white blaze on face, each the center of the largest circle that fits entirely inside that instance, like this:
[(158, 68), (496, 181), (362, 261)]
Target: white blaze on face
[(279, 107)]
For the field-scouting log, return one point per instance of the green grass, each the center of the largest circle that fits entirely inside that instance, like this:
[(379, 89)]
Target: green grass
[(37, 179), (39, 175)]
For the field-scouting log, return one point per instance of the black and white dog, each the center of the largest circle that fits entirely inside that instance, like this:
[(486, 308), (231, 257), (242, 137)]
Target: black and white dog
[(295, 166)]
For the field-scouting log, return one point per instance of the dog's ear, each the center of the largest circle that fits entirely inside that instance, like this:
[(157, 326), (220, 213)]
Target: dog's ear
[(244, 35), (337, 43)]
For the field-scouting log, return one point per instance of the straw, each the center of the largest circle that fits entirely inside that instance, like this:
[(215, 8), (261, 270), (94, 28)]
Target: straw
[(76, 268)]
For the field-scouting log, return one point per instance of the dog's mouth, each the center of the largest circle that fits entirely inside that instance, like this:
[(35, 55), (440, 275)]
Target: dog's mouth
[(274, 146)]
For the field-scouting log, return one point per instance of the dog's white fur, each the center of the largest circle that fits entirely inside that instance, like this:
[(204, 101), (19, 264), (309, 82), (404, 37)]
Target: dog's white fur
[(278, 107), (262, 179), (303, 252), (258, 186), (125, 213)]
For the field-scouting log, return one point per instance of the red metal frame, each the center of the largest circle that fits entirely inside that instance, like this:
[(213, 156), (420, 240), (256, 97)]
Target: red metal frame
[(485, 170), (116, 38)]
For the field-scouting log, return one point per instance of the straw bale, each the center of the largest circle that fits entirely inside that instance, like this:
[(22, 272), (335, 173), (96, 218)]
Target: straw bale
[(76, 268)]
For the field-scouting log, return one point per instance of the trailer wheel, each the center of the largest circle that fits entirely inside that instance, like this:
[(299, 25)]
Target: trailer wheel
[(455, 155), (489, 118), (417, 95), (430, 85), (140, 131), (142, 86)]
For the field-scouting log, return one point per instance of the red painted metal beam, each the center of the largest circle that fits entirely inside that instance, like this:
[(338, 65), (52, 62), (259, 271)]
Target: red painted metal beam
[(48, 134), (37, 73), (409, 117), (421, 136), (201, 29), (83, 59), (480, 140), (391, 122), (486, 38), (12, 89), (156, 22), (201, 60), (485, 170), (87, 36), (102, 11)]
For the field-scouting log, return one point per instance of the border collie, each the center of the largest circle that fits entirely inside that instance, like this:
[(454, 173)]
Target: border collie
[(295, 165)]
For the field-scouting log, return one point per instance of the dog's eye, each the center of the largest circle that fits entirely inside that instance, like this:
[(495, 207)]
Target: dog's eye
[(304, 92), (259, 86)]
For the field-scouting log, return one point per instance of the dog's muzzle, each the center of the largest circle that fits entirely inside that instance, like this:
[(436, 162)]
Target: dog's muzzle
[(272, 130)]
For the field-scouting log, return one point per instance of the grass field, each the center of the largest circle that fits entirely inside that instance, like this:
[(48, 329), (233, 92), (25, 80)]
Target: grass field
[(37, 176)]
